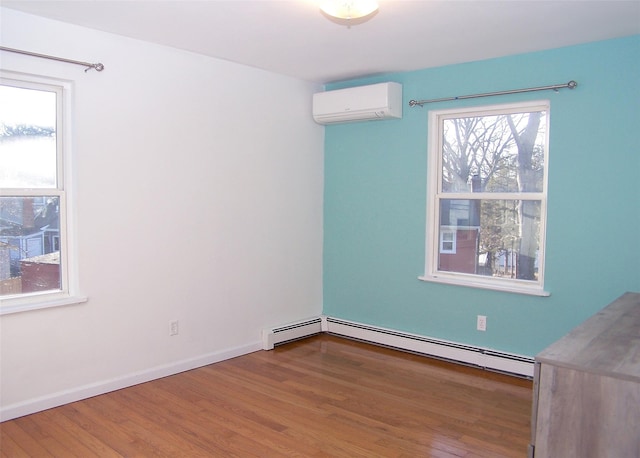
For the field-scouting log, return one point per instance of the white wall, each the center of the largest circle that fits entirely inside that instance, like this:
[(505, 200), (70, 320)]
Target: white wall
[(199, 198)]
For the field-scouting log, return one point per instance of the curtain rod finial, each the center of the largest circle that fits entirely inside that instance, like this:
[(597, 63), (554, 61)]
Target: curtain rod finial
[(97, 67)]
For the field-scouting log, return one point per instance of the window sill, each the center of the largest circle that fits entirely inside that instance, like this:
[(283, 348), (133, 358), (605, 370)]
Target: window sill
[(21, 305), (510, 288)]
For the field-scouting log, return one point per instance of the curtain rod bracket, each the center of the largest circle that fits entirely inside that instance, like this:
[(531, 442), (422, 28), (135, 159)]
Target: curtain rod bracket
[(570, 85)]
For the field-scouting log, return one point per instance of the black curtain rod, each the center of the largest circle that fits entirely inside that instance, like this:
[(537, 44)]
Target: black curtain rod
[(98, 67), (570, 85)]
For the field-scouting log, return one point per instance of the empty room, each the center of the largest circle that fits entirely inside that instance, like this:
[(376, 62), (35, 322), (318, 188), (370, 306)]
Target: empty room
[(315, 228)]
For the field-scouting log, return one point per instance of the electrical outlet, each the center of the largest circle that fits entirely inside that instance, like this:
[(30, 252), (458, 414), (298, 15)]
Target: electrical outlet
[(173, 328), (481, 324)]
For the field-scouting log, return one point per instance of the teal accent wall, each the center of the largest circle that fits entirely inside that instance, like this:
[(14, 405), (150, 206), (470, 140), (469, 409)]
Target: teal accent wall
[(375, 201)]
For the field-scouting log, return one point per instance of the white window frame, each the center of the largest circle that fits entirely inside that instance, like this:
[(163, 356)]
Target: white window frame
[(434, 177), (69, 291)]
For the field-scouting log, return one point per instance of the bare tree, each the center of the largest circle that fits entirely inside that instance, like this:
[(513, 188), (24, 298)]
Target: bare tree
[(476, 158), (473, 146), (527, 182), (498, 154)]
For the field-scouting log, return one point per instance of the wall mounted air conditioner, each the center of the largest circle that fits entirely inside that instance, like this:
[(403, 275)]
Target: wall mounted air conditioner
[(362, 103)]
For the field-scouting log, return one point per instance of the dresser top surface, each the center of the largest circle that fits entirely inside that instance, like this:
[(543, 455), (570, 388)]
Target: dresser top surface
[(607, 343)]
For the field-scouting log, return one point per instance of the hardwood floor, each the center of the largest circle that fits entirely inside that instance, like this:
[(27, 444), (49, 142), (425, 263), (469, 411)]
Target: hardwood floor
[(320, 397)]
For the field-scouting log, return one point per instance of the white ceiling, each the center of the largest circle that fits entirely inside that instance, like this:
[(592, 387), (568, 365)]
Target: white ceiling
[(292, 37)]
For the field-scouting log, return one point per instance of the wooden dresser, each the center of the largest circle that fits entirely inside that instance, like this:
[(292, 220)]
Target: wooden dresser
[(586, 399)]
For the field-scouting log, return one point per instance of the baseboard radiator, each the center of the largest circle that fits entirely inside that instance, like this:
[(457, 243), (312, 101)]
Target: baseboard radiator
[(508, 363), (293, 331)]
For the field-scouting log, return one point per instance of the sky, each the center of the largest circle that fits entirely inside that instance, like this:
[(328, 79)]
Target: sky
[(27, 106), (27, 161)]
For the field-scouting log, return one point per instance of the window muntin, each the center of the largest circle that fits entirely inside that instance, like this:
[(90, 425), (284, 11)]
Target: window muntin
[(33, 236), (487, 186)]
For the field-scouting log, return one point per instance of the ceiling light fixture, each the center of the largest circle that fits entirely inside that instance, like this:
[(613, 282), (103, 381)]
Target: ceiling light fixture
[(349, 9)]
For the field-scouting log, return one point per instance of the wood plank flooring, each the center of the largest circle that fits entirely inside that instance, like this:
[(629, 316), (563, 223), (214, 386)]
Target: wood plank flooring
[(320, 397)]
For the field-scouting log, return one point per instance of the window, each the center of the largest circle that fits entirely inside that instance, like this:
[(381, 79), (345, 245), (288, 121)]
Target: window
[(487, 197), (34, 236), (447, 240)]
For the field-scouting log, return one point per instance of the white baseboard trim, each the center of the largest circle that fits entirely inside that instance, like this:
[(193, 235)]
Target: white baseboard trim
[(94, 389), (484, 358)]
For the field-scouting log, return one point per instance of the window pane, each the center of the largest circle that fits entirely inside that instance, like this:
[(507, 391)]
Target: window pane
[(503, 153), (27, 138), (498, 238), (29, 244)]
